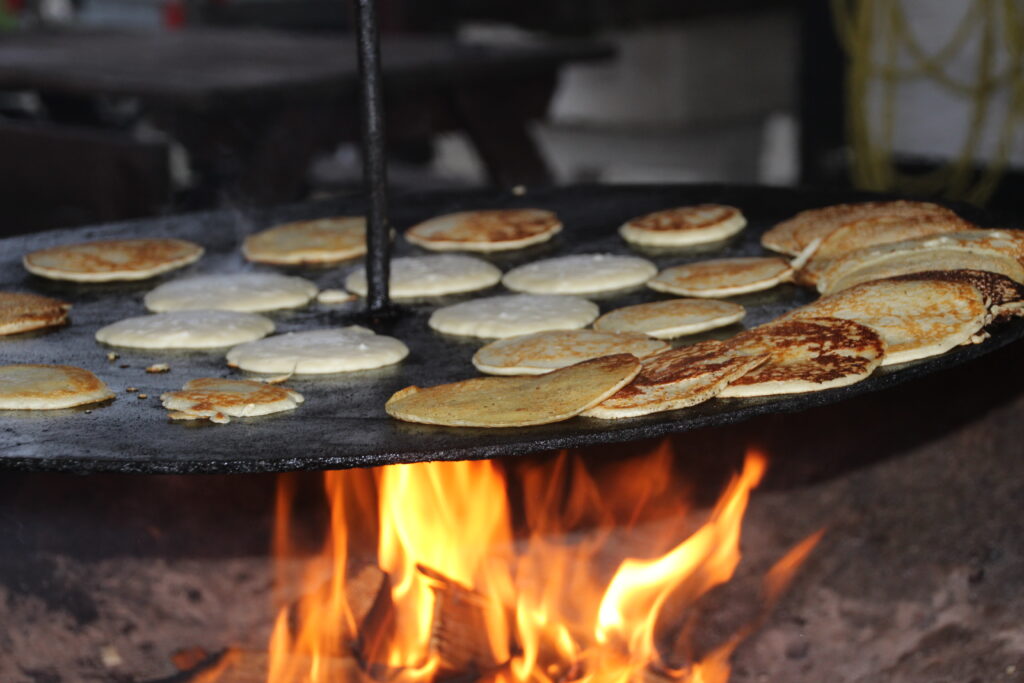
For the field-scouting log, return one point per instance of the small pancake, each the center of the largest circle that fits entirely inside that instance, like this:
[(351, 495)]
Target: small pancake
[(685, 225), (418, 276), (999, 251), (580, 274), (671, 319), (495, 230), (791, 236), (111, 260), (677, 379), (49, 387), (218, 399), (516, 401), (723, 277), (870, 232), (245, 292), (512, 315), (323, 240), (186, 330), (24, 312), (808, 354), (1005, 297), (342, 349), (535, 354), (915, 319)]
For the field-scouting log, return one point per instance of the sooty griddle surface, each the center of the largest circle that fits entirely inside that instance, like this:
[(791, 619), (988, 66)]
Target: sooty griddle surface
[(343, 423)]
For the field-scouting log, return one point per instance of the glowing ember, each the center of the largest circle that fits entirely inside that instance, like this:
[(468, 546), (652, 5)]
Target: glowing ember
[(464, 596)]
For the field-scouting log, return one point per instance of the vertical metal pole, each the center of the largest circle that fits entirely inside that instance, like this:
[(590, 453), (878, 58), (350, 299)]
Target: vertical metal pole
[(375, 175)]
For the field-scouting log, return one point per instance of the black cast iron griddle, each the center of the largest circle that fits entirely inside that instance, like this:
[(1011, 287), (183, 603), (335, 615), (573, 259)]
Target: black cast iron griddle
[(342, 423)]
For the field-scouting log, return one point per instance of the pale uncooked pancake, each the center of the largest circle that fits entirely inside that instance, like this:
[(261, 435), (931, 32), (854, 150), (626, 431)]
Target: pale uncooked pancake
[(342, 349), (111, 260), (580, 274), (808, 354), (915, 319), (246, 292), (49, 387), (323, 240), (416, 276), (1000, 251), (186, 330), (670, 319), (516, 401), (511, 315), (535, 354), (496, 230), (684, 225), (723, 277), (23, 312), (218, 399), (677, 379), (793, 235)]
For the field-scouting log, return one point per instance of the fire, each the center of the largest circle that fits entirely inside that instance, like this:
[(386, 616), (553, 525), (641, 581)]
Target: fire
[(464, 595)]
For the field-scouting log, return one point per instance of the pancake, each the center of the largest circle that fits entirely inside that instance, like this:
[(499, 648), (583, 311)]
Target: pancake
[(580, 274), (111, 260), (791, 236), (916, 319), (245, 292), (535, 354), (670, 319), (49, 387), (186, 330), (871, 232), (723, 277), (683, 226), (342, 349), (1005, 298), (24, 312), (999, 251), (418, 276), (515, 314), (218, 400), (516, 401), (323, 240), (677, 379), (494, 230), (808, 354)]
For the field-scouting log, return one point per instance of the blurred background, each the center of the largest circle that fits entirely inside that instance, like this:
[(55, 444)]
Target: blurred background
[(112, 109)]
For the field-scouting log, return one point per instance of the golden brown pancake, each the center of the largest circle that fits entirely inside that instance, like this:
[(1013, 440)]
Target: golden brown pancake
[(23, 312), (723, 277), (494, 230), (219, 399), (516, 401), (672, 318), (999, 251), (809, 354), (684, 225), (49, 387), (323, 240), (917, 319), (535, 354), (870, 232), (1004, 296), (111, 260), (791, 236), (677, 379)]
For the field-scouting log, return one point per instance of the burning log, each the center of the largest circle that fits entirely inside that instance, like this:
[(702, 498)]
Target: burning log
[(459, 631)]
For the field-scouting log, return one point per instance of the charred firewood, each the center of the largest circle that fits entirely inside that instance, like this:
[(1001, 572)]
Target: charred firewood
[(459, 630)]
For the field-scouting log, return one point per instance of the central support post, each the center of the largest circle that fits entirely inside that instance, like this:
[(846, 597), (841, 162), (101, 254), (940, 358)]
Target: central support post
[(375, 175)]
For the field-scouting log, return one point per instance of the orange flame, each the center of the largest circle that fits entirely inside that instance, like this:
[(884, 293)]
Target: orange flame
[(464, 595)]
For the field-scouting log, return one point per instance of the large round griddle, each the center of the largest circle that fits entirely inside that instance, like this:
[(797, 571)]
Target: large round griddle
[(343, 423)]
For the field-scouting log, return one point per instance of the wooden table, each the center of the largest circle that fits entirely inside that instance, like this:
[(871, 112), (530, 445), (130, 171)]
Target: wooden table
[(252, 107)]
